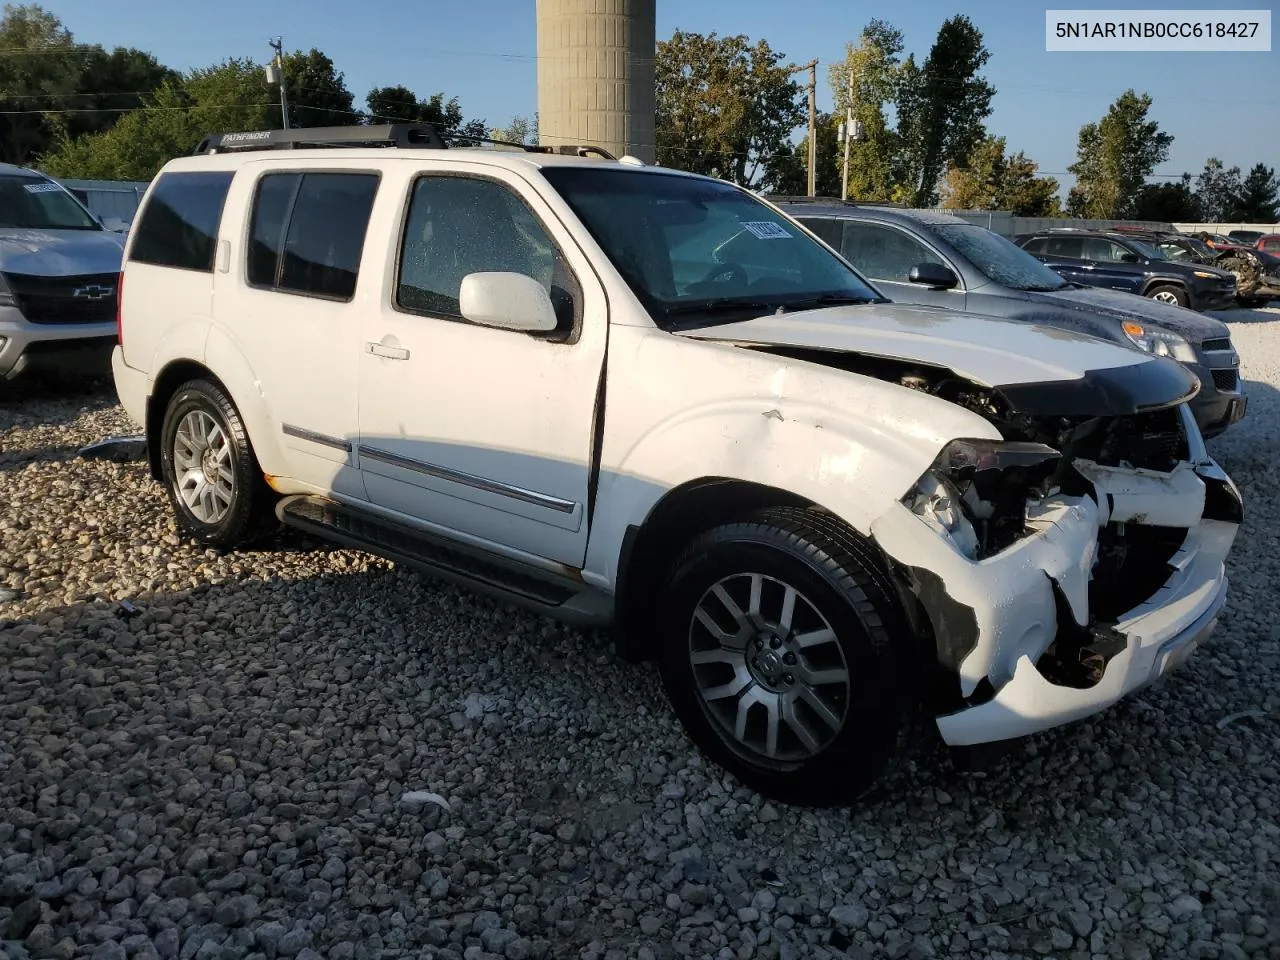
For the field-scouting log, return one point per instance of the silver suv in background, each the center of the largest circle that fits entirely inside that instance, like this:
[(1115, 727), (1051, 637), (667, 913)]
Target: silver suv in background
[(59, 274)]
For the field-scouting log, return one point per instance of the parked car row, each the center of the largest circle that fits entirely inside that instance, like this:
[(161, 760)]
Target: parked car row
[(648, 400), (941, 260)]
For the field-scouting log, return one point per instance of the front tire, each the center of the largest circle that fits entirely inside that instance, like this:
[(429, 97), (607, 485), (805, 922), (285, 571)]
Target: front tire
[(781, 658), (1164, 293), (216, 490)]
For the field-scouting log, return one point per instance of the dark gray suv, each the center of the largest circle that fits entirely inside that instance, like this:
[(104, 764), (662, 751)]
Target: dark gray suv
[(941, 260)]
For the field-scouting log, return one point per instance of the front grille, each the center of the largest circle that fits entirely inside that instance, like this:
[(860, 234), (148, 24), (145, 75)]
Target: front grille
[(55, 300), (1146, 441), (1226, 378), (1219, 343)]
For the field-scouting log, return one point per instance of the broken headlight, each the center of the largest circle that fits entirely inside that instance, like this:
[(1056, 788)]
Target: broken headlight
[(1162, 343), (976, 492)]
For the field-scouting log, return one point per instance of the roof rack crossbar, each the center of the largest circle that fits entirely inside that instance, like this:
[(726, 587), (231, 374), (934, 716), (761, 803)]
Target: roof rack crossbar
[(419, 135)]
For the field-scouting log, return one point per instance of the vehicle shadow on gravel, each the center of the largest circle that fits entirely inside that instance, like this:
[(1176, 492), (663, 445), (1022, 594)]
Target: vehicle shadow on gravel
[(1266, 314)]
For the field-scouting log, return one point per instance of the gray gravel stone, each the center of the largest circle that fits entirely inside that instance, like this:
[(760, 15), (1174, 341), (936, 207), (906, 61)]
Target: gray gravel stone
[(221, 771)]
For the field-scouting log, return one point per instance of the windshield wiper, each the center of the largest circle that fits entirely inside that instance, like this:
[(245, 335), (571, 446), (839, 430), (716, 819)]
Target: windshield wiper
[(829, 300), (722, 305)]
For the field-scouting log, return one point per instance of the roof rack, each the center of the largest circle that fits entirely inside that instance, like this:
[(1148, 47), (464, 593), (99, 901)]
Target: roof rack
[(399, 135)]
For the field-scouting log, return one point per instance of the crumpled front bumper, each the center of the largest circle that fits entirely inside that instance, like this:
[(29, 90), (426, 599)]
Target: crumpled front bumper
[(993, 619)]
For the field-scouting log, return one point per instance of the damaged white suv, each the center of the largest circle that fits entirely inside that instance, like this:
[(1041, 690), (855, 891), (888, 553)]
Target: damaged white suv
[(630, 396)]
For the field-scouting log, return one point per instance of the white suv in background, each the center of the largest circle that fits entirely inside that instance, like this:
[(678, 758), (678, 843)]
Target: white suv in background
[(629, 396)]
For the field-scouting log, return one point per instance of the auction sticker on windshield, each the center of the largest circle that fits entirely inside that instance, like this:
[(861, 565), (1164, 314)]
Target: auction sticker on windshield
[(41, 188), (1159, 30), (768, 230)]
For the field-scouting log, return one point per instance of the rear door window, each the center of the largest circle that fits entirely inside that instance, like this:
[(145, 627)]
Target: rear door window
[(179, 223), (308, 230)]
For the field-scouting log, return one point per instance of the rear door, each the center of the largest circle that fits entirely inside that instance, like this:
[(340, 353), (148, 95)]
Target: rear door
[(288, 302), (1106, 266)]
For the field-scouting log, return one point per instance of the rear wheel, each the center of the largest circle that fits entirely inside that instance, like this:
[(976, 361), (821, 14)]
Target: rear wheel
[(215, 487), (1164, 293), (777, 657)]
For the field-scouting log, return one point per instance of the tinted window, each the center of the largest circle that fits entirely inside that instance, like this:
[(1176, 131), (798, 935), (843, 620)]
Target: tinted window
[(1068, 248), (1036, 245), (1271, 243), (883, 253), (462, 225), (825, 227), (270, 210), (179, 225), (327, 227)]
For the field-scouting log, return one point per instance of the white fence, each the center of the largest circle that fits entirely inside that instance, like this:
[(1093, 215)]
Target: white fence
[(113, 200)]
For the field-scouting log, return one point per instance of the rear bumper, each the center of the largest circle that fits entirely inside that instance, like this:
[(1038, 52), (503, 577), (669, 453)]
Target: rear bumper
[(81, 348), (133, 387)]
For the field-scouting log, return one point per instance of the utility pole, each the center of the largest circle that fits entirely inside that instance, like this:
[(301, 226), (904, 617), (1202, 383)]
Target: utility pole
[(275, 73), (848, 135), (812, 67)]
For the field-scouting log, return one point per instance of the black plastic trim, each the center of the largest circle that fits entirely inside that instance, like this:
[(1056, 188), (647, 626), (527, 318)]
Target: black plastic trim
[(1154, 384)]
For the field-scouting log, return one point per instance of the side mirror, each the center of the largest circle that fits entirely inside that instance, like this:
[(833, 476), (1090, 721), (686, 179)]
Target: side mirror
[(1128, 258), (933, 275), (509, 301)]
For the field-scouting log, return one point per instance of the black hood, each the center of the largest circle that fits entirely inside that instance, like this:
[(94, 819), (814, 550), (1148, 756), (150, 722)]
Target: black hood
[(1130, 306)]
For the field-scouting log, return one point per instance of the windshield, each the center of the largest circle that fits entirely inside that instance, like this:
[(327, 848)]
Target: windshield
[(699, 251), (36, 203), (999, 259)]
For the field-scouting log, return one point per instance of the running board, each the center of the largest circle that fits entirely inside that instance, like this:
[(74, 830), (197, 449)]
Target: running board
[(560, 596)]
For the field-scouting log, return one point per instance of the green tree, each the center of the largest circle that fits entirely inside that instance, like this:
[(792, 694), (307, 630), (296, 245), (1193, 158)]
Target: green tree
[(1114, 159), (520, 130), (317, 92), (111, 84), (1259, 197), (787, 172), (867, 80), (1167, 202), (40, 68), (401, 105), (1217, 191), (724, 105), (942, 106), (228, 97), (992, 181)]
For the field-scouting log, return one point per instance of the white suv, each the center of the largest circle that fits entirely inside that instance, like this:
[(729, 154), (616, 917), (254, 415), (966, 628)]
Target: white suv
[(630, 396)]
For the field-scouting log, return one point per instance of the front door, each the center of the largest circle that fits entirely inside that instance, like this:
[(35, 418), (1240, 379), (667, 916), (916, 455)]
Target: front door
[(885, 255), (482, 432)]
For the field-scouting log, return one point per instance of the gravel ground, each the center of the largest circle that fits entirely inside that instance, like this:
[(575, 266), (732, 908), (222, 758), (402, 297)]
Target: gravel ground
[(224, 773)]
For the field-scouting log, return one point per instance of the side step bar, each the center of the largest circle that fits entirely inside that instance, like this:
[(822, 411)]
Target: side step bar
[(559, 596)]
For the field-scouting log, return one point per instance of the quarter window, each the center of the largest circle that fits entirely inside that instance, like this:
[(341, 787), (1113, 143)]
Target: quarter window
[(462, 225), (883, 253), (179, 224), (308, 230)]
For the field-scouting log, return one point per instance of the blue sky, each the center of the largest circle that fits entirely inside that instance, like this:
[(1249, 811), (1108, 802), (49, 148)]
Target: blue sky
[(483, 51)]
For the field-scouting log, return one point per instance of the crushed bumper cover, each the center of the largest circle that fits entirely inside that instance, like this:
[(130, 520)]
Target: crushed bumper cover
[(993, 620)]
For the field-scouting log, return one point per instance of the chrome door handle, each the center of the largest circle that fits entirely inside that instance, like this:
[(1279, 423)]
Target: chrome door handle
[(391, 353)]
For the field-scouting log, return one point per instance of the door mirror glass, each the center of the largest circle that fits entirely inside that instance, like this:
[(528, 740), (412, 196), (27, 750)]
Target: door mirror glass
[(933, 275), (509, 301), (1128, 258)]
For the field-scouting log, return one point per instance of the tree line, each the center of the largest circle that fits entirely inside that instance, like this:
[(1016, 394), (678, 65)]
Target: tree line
[(726, 106), (80, 111)]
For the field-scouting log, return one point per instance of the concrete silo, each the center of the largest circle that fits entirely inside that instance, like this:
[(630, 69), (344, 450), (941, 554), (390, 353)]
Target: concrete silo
[(595, 74)]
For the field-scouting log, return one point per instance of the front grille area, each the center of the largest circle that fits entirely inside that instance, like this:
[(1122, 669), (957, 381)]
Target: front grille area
[(1147, 441), (55, 300), (1226, 378), (1219, 343)]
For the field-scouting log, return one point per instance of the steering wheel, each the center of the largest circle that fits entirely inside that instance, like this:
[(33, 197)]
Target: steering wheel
[(721, 276)]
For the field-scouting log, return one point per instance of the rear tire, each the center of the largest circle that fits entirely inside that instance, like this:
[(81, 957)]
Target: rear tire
[(213, 480), (781, 655), (1165, 293)]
